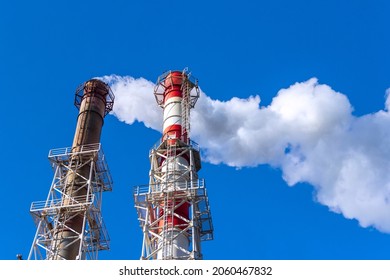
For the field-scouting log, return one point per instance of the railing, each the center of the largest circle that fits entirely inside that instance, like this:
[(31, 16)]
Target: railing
[(68, 151), (169, 186), (192, 144), (104, 172), (77, 203), (109, 96)]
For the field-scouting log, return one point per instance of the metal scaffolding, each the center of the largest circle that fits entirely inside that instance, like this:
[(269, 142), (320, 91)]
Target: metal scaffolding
[(55, 215), (156, 204)]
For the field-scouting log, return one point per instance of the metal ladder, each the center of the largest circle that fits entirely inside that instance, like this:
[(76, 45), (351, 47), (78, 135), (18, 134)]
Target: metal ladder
[(185, 109)]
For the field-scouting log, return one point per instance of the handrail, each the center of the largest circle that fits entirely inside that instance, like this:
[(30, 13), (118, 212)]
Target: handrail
[(62, 202), (165, 187), (71, 150), (192, 145)]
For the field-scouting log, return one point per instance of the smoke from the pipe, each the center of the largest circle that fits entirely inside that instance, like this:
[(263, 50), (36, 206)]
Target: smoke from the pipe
[(308, 131)]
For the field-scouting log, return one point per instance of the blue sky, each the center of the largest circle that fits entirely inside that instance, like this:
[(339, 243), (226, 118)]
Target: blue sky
[(235, 49)]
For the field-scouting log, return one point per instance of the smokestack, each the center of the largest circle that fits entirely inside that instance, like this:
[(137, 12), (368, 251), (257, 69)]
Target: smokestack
[(91, 99), (78, 208), (173, 209)]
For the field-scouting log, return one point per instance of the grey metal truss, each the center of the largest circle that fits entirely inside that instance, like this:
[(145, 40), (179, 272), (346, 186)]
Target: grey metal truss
[(54, 215)]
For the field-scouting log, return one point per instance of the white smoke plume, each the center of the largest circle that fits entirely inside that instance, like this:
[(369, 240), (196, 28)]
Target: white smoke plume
[(134, 101), (308, 131)]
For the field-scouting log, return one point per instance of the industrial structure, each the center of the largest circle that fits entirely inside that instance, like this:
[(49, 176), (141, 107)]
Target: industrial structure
[(173, 208), (69, 222)]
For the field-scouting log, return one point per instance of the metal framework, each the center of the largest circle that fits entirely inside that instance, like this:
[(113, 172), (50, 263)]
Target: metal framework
[(54, 215), (165, 196), (105, 92), (173, 210)]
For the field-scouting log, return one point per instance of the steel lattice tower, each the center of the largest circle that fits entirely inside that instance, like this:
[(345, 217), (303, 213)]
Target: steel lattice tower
[(69, 221), (173, 209)]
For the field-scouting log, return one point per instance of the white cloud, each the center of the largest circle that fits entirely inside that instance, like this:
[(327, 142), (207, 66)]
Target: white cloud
[(308, 131)]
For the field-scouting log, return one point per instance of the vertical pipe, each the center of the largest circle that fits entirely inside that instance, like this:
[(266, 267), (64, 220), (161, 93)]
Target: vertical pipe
[(92, 109)]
